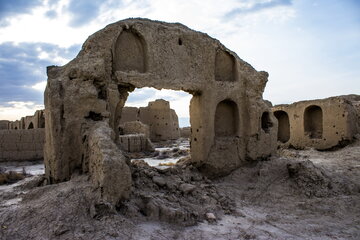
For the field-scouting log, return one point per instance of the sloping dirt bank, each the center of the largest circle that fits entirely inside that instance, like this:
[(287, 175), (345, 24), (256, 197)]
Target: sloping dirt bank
[(296, 195)]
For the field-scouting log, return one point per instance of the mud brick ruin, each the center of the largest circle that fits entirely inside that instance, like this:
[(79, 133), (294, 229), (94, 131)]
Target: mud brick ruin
[(23, 140), (230, 122), (322, 124), (29, 122), (162, 121)]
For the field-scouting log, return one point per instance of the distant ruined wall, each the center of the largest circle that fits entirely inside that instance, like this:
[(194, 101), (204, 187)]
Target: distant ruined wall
[(134, 127), (4, 124), (322, 123), (21, 145), (29, 122), (185, 132), (162, 121)]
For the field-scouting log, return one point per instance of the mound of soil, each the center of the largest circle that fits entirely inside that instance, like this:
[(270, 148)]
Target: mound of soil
[(179, 194)]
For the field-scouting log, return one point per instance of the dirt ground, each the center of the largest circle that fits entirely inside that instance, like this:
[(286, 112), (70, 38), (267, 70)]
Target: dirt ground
[(298, 194)]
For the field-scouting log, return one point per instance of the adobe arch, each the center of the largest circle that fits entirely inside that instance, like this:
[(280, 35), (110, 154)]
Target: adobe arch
[(129, 52), (226, 119), (313, 122), (224, 66), (83, 100), (283, 126), (31, 126), (266, 123)]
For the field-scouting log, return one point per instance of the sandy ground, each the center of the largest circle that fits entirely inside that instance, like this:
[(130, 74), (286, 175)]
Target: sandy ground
[(296, 195)]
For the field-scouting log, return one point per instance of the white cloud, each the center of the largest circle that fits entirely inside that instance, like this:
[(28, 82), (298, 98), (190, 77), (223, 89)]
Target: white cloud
[(179, 101), (15, 110), (40, 86)]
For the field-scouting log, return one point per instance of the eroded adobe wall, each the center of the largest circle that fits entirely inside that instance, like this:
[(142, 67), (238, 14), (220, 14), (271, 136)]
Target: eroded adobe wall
[(4, 124), (29, 122), (21, 145), (322, 124), (134, 127), (137, 53), (161, 119)]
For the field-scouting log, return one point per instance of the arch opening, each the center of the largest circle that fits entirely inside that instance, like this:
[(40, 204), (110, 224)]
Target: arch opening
[(31, 126), (313, 122), (266, 123), (226, 119), (154, 126), (283, 134)]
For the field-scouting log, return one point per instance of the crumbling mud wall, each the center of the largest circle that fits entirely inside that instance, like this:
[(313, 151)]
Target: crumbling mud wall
[(4, 124), (136, 53), (322, 123), (106, 164), (134, 127), (134, 137), (29, 122), (161, 119), (21, 145), (185, 132)]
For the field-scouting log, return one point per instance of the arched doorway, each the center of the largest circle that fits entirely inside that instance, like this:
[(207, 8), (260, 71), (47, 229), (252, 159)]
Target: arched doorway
[(226, 119), (31, 126), (266, 123), (283, 126), (313, 121)]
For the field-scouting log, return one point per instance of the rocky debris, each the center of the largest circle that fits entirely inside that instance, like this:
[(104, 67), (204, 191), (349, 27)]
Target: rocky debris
[(269, 203), (187, 188), (210, 217), (159, 181), (313, 181), (11, 177), (175, 195)]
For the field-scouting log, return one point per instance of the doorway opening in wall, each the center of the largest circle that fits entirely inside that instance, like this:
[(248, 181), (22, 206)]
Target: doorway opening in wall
[(283, 126), (31, 126), (266, 123), (313, 122), (154, 126)]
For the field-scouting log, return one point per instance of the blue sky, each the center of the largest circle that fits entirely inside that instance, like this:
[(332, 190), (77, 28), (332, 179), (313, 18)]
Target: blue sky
[(311, 48)]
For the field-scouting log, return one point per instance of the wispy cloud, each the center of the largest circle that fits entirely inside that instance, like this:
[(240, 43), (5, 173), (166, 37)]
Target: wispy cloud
[(13, 110), (12, 7), (23, 66), (256, 6), (179, 100), (83, 11)]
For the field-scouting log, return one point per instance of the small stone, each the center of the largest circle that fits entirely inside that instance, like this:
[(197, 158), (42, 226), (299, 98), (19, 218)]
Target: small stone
[(187, 188), (159, 181), (210, 217)]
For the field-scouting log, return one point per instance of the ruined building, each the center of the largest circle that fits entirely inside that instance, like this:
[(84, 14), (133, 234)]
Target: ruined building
[(23, 140), (230, 122), (29, 122), (162, 121), (322, 124)]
